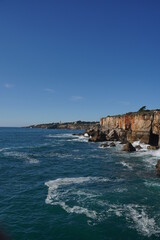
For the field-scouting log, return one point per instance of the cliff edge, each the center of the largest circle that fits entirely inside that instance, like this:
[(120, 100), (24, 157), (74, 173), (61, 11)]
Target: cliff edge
[(139, 126)]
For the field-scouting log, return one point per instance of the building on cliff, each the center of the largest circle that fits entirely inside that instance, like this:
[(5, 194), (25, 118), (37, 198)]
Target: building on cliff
[(143, 126)]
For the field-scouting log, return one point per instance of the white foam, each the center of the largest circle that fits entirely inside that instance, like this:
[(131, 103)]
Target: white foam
[(143, 223), (4, 149), (23, 156), (54, 184), (80, 139), (77, 138), (126, 165), (137, 217), (71, 197), (144, 151), (152, 184), (79, 210), (143, 145), (58, 194), (86, 135), (65, 135)]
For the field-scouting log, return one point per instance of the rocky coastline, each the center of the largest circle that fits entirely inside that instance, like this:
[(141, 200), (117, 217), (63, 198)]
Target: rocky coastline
[(142, 126), (77, 125)]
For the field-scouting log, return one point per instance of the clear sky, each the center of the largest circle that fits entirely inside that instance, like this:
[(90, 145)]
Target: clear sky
[(67, 60)]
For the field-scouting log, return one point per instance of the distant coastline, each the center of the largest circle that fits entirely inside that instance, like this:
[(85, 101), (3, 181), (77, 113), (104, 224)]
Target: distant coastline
[(77, 125)]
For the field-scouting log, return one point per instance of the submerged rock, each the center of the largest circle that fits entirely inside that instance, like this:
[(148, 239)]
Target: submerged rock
[(112, 144), (128, 147), (78, 134), (158, 167), (138, 147), (104, 145)]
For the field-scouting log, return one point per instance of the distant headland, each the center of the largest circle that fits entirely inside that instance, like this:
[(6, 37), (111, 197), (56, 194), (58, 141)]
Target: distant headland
[(77, 125)]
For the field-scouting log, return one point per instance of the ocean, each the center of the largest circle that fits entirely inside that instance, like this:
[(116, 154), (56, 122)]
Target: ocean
[(54, 185)]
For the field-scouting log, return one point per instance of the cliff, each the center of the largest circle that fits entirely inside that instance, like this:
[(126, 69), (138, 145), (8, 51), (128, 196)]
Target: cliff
[(143, 126)]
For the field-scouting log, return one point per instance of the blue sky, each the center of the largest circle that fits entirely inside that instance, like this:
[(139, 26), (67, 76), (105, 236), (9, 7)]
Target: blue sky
[(66, 60)]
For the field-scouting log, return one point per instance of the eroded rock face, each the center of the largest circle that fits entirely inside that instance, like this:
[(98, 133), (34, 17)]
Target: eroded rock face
[(97, 136), (112, 136), (128, 147), (144, 126)]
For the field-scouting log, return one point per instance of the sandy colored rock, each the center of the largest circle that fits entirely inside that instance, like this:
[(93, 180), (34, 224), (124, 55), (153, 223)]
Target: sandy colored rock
[(139, 126)]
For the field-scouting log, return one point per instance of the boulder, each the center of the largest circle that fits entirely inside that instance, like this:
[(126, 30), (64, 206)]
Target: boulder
[(128, 147), (158, 167), (98, 136), (138, 147), (104, 145), (78, 134), (152, 147), (112, 144)]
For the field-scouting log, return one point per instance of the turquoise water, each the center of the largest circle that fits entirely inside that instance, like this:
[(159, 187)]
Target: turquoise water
[(58, 186)]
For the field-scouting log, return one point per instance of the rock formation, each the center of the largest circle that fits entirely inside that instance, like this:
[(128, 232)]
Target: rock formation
[(143, 126), (128, 147), (98, 136)]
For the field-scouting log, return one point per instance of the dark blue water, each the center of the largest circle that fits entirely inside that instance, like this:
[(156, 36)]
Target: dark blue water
[(57, 186)]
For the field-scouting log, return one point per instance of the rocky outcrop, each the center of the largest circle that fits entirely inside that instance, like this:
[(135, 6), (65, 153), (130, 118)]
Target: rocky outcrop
[(128, 147), (98, 136), (112, 136), (143, 126)]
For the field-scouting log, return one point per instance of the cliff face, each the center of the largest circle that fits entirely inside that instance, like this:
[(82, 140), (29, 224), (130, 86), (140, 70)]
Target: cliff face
[(143, 126)]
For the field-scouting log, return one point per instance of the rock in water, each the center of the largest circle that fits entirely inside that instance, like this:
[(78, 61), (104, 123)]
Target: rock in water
[(98, 136), (128, 147), (152, 147), (158, 167), (112, 144), (104, 145), (138, 147)]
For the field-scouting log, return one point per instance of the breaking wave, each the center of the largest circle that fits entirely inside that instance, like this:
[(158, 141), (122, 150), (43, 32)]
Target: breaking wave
[(137, 217), (23, 156), (59, 194), (127, 165), (64, 135), (71, 195)]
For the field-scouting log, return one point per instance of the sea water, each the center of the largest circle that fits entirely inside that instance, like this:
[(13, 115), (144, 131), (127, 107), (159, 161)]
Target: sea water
[(54, 185)]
